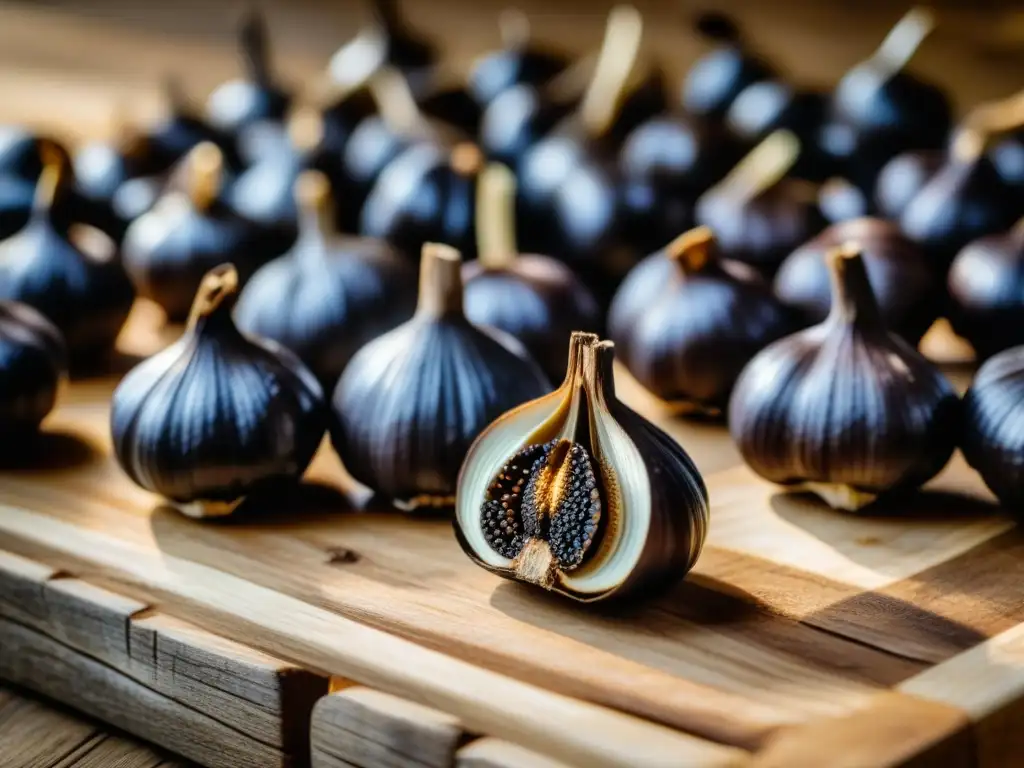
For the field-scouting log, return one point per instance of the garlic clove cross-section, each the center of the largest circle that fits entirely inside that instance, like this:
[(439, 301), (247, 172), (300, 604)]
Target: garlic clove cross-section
[(576, 493)]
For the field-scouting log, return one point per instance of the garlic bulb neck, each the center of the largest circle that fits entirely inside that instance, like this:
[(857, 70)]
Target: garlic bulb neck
[(394, 99), (692, 250), (496, 222), (903, 40), (317, 225), (47, 189), (762, 168), (440, 292), (215, 296), (985, 125), (306, 129), (205, 175), (853, 300), (616, 60), (252, 37)]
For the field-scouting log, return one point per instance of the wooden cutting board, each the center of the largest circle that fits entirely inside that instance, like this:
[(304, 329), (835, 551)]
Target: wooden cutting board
[(800, 629)]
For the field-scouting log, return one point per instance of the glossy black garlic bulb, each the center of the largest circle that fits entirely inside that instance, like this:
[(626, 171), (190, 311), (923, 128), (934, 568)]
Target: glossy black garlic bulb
[(22, 153), (217, 416), (845, 409), (903, 177), (1008, 158), (534, 298), (186, 234), (966, 198), (81, 289), (907, 289), (879, 109), (694, 336), (387, 40), (577, 494), (16, 197), (520, 61), (427, 194), (839, 200), (993, 438), (717, 78), (238, 104), (330, 294), (410, 403), (986, 303), (758, 215), (33, 366)]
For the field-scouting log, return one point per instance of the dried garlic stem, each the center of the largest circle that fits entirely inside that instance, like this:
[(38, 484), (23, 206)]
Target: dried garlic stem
[(496, 217), (440, 281)]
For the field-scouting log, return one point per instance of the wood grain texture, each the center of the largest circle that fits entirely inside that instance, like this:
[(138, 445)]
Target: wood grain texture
[(495, 753), (370, 729), (205, 697)]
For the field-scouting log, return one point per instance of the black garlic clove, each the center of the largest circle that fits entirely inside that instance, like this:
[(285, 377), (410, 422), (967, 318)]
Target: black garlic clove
[(698, 331), (845, 409), (217, 416), (986, 306), (82, 290), (534, 298), (907, 289), (578, 494), (330, 294), (410, 403), (33, 366)]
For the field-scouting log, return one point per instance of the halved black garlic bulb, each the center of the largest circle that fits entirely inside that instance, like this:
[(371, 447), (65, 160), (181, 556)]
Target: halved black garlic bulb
[(576, 493), (81, 290), (237, 104), (691, 342), (984, 283), (410, 403), (33, 365), (759, 215), (535, 298), (330, 294), (168, 250), (845, 409), (993, 441), (217, 416), (906, 288)]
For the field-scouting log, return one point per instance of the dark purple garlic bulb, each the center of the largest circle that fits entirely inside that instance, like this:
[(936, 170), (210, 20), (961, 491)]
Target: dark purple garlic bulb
[(759, 215), (82, 291), (238, 104), (879, 109), (520, 61), (410, 403), (427, 194), (16, 196), (840, 200), (697, 332), (845, 409), (993, 441), (330, 294), (186, 234), (217, 416), (903, 177), (386, 41), (534, 298), (717, 78), (906, 288), (986, 300), (33, 366)]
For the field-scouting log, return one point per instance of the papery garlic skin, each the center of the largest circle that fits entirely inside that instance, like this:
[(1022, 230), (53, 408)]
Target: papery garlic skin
[(845, 404)]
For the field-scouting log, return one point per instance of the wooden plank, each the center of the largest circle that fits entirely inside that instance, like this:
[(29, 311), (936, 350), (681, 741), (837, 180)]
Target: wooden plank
[(897, 730), (370, 729), (202, 696), (484, 701), (495, 753), (986, 682)]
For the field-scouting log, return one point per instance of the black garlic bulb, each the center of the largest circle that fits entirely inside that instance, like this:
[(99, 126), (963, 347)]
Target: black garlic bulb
[(903, 177), (427, 194), (16, 197), (966, 198), (879, 109), (238, 104), (187, 233), (986, 303), (23, 154), (1008, 158), (993, 441), (534, 298), (845, 409), (578, 494), (759, 215), (706, 322), (520, 61), (410, 403), (717, 78), (906, 288), (81, 290), (33, 367), (386, 41), (839, 200), (217, 416), (330, 294)]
